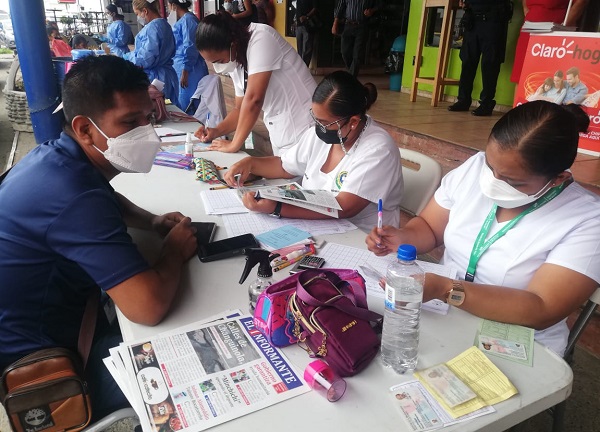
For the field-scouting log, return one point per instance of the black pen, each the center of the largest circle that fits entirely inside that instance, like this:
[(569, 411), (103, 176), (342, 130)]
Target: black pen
[(174, 134)]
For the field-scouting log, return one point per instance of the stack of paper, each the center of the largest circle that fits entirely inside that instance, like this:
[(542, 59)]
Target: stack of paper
[(203, 374), (462, 388), (545, 27)]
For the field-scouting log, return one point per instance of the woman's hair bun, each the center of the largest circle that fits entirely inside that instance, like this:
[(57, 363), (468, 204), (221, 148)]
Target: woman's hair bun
[(582, 120), (370, 94)]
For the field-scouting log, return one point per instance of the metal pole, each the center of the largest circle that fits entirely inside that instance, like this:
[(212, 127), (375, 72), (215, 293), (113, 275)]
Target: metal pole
[(39, 78)]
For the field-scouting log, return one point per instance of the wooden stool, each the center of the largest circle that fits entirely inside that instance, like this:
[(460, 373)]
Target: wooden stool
[(439, 80)]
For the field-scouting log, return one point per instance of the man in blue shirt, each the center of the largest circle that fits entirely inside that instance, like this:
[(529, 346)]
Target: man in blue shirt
[(576, 90), (63, 229)]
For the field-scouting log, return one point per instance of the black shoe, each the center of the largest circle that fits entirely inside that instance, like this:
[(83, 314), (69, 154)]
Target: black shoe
[(460, 106), (484, 110)]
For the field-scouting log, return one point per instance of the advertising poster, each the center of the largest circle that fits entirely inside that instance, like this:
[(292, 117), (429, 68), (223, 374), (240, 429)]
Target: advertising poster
[(565, 68)]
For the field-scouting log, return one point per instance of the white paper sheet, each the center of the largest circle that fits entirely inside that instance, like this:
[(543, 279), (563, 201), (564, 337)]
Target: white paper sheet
[(258, 223), (223, 201)]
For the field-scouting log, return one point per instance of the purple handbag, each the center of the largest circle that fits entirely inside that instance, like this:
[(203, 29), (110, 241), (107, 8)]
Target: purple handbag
[(331, 318)]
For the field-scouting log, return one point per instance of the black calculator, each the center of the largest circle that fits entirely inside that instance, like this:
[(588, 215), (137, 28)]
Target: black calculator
[(308, 262)]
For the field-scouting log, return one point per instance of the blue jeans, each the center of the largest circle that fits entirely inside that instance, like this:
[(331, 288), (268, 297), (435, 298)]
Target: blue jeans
[(105, 394)]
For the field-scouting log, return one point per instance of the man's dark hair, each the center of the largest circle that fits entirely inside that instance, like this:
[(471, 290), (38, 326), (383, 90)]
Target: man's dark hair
[(92, 82), (572, 71)]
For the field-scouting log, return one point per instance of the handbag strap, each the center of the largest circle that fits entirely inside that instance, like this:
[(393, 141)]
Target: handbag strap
[(350, 308), (88, 326)]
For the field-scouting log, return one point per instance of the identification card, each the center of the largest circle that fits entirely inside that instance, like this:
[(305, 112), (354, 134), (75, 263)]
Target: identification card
[(503, 347), (447, 385)]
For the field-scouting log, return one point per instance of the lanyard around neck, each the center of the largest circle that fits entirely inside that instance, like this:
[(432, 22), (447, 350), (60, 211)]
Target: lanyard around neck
[(481, 244)]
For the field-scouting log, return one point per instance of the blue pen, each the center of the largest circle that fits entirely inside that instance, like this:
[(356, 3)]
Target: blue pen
[(380, 214), (207, 119)]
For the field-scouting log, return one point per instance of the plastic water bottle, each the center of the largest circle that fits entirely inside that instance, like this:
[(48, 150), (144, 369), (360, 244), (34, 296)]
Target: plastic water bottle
[(403, 298)]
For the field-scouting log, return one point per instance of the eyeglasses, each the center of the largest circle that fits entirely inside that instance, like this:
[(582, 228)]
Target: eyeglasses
[(324, 127)]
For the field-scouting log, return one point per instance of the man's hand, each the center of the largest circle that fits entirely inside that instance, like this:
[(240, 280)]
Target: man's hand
[(181, 240), (334, 29), (162, 224), (369, 12), (184, 79), (223, 145)]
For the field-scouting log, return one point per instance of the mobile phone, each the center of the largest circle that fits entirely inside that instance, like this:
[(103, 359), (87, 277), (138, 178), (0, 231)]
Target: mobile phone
[(205, 232), (308, 262), (227, 248)]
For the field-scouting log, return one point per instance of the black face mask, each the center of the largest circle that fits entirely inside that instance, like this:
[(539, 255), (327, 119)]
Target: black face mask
[(331, 136)]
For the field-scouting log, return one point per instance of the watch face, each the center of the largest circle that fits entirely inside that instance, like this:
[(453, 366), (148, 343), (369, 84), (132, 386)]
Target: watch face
[(456, 297)]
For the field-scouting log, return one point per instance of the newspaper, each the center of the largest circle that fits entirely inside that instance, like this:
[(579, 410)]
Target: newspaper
[(320, 201), (203, 374)]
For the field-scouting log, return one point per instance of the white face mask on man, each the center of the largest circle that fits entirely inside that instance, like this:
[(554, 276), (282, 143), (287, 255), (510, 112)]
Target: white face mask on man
[(133, 151), (503, 194), (225, 68)]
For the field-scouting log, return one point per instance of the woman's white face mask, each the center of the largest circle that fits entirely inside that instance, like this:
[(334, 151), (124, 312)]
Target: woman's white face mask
[(225, 68), (172, 18), (503, 194), (133, 151)]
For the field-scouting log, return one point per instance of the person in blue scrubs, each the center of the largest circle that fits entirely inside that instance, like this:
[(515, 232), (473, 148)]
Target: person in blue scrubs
[(155, 47), (118, 33), (188, 63)]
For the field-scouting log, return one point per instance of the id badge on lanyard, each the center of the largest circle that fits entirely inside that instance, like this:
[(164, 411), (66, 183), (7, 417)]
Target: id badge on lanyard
[(481, 244)]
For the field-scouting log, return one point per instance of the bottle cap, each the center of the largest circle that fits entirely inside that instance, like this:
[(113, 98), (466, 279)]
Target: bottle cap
[(407, 252), (319, 376)]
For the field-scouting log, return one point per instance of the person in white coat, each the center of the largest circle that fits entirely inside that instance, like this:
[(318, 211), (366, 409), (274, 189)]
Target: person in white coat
[(268, 75), (346, 153), (524, 236)]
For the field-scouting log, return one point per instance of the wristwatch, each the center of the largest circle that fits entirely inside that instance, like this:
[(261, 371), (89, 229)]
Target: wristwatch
[(277, 212), (456, 296)]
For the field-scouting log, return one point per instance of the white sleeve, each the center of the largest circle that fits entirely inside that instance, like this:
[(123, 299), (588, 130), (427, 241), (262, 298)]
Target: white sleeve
[(579, 250), (264, 53), (458, 181), (376, 174), (295, 159)]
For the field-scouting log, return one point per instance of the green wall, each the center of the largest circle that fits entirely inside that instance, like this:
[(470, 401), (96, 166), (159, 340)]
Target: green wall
[(505, 90)]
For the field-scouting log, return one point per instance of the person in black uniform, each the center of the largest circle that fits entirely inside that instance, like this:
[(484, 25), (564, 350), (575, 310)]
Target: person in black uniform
[(354, 14), (305, 35), (485, 24)]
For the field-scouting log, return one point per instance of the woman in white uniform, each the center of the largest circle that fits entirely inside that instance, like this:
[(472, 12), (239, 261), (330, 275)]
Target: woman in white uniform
[(524, 236), (346, 153), (268, 75)]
